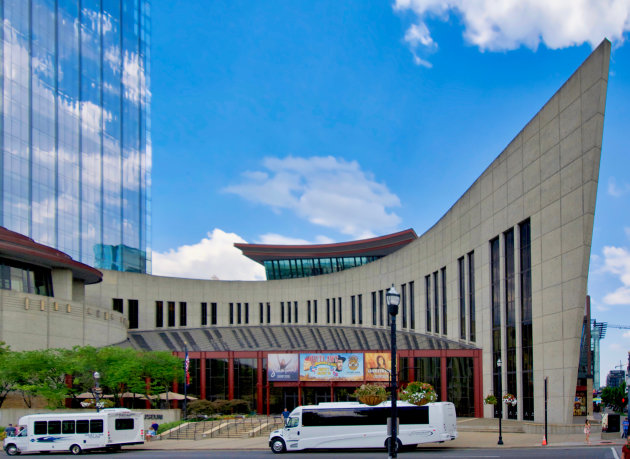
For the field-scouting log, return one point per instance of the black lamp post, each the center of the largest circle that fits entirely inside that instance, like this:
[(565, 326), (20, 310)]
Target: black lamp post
[(500, 442), (97, 389), (186, 370), (393, 300)]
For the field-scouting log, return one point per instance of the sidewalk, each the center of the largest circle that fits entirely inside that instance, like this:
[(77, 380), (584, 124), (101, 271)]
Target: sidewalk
[(482, 433)]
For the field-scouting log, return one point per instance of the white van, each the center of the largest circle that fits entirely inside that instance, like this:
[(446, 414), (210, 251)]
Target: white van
[(110, 429), (354, 425)]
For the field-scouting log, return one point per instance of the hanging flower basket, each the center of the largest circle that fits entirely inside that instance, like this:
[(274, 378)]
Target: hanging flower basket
[(418, 393), (490, 400), (370, 394), (510, 399)]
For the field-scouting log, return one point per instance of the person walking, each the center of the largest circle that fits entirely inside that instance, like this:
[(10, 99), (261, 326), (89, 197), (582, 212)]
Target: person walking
[(10, 431), (285, 415), (587, 431)]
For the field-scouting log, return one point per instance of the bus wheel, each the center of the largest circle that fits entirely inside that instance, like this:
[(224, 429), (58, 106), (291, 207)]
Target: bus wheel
[(75, 449), (278, 446), (12, 450)]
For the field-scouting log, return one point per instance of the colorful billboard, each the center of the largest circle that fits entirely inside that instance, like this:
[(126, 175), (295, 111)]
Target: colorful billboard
[(282, 367), (377, 366), (331, 367)]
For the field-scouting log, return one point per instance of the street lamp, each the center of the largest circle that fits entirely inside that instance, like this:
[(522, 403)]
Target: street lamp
[(97, 388), (500, 442), (393, 300)]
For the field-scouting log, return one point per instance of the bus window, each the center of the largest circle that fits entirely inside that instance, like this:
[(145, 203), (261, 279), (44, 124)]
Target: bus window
[(40, 428), (96, 426), (54, 427), (293, 422), (83, 426), (67, 427), (124, 424)]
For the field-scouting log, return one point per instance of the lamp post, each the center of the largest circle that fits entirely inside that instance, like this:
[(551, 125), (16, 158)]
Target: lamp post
[(97, 389), (393, 300), (186, 378), (500, 442)]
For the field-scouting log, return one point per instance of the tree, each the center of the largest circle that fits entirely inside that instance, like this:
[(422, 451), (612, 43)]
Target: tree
[(40, 373), (6, 381), (615, 397)]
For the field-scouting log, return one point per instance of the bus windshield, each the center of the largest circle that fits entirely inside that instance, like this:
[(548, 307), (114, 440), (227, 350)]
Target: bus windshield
[(292, 422)]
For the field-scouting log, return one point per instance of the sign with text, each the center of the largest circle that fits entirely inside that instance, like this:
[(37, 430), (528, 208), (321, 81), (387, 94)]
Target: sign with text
[(282, 367), (331, 367), (378, 366)]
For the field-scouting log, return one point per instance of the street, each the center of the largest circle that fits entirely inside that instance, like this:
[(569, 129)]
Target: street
[(582, 452)]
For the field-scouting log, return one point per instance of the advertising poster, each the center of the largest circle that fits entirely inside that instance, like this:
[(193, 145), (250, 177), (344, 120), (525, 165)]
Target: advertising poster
[(282, 367), (331, 367), (377, 366)]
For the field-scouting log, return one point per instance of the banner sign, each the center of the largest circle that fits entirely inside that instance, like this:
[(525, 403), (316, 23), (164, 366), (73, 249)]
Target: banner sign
[(331, 367), (377, 366), (282, 367)]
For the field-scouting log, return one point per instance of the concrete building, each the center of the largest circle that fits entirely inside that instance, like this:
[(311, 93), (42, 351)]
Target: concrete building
[(615, 378), (75, 148), (502, 275)]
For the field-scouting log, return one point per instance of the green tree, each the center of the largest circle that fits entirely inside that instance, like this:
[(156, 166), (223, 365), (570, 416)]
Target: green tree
[(40, 373), (7, 382), (615, 397)]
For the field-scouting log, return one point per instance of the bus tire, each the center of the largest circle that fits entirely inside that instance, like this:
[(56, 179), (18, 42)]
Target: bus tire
[(11, 450), (278, 446), (75, 450)]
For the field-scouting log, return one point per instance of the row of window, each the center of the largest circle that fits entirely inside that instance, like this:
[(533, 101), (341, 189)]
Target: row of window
[(306, 267), (25, 278)]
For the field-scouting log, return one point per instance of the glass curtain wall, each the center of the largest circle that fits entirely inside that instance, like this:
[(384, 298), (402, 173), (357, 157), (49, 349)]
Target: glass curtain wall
[(216, 379), (75, 149), (496, 318), (427, 369), (510, 320), (527, 398), (460, 377), (245, 381)]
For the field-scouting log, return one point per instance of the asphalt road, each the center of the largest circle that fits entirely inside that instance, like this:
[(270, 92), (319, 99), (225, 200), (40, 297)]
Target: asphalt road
[(592, 452)]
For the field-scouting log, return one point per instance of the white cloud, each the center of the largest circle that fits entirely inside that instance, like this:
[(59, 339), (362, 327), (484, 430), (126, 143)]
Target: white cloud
[(617, 262), (326, 191), (213, 257), (615, 190), (499, 25), (278, 239)]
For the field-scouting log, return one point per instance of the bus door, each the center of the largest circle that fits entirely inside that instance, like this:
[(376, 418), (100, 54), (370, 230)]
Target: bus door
[(292, 429)]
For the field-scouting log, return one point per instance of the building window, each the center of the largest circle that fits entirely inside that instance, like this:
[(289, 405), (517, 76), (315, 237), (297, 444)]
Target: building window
[(380, 308), (238, 313), (360, 297), (308, 311), (289, 312), (268, 313), (427, 287), (231, 313), (282, 312), (412, 312), (159, 314), (261, 315), (339, 306), (373, 308), (444, 306), (295, 311), (353, 309), (117, 305), (526, 321), (436, 303), (510, 318), (403, 304), (315, 311), (461, 287), (213, 313), (171, 313), (471, 296), (495, 311), (247, 313), (182, 314), (25, 278), (204, 313), (132, 305)]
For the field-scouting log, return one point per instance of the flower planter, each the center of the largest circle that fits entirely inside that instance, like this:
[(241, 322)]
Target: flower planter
[(371, 400), (421, 402)]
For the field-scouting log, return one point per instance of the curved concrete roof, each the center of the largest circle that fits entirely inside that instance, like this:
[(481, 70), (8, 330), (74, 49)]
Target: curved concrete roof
[(376, 246), (16, 246)]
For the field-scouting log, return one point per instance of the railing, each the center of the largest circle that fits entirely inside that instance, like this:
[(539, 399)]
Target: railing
[(237, 427)]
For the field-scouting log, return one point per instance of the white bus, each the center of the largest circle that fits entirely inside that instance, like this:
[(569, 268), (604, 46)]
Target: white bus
[(353, 425), (75, 432)]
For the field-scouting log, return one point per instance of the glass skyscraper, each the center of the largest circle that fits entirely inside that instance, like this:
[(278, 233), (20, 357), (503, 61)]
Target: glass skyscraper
[(75, 147)]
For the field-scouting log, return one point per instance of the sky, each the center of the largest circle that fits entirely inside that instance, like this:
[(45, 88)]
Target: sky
[(300, 122)]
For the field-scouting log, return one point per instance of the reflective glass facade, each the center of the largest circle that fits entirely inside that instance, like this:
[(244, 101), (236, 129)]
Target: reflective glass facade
[(305, 267), (75, 149)]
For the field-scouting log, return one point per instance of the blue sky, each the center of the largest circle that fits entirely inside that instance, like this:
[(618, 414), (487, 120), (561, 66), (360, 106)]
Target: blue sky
[(313, 122)]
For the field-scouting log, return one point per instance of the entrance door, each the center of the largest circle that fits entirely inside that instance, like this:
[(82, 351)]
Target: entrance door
[(315, 395), (290, 398)]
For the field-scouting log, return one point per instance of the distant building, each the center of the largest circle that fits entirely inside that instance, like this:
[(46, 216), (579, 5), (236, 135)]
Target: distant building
[(75, 147), (615, 378)]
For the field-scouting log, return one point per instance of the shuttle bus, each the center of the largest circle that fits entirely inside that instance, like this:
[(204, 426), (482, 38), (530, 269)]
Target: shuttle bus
[(354, 425), (75, 432)]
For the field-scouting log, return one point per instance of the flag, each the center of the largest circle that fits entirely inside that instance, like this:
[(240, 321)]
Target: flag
[(187, 368)]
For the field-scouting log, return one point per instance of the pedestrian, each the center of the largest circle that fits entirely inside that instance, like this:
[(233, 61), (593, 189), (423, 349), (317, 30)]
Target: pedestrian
[(587, 431), (155, 427), (10, 431), (625, 451), (285, 415)]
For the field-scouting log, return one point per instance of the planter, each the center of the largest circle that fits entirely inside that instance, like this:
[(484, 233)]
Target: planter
[(421, 402), (371, 400)]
